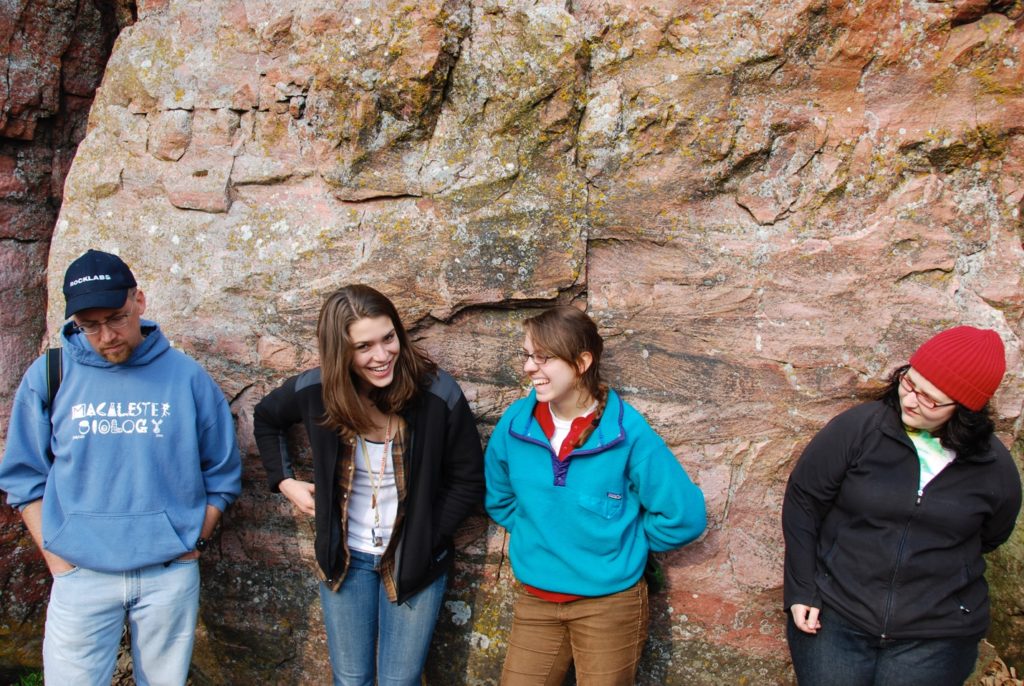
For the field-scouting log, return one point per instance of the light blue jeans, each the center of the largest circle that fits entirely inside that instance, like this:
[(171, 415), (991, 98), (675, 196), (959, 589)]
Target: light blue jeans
[(87, 611), (368, 636)]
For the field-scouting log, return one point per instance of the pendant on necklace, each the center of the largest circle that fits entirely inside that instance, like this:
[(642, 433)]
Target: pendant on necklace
[(378, 541)]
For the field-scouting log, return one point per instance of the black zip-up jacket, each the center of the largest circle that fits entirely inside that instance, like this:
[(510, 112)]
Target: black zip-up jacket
[(443, 464), (892, 560)]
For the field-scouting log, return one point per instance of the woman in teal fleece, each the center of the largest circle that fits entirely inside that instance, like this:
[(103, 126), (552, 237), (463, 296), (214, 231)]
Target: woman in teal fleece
[(586, 489)]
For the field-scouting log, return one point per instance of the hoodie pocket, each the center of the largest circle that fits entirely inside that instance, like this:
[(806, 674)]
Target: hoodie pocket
[(117, 541)]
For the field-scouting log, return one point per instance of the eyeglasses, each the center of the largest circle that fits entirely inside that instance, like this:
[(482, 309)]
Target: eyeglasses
[(118, 321), (538, 359), (923, 399)]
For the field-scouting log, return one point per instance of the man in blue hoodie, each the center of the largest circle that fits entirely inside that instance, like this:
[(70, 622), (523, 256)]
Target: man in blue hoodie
[(121, 482)]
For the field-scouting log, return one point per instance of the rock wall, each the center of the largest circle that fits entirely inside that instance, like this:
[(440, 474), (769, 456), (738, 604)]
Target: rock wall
[(766, 207)]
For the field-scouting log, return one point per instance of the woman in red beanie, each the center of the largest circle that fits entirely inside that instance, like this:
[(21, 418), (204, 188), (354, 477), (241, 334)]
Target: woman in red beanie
[(886, 517)]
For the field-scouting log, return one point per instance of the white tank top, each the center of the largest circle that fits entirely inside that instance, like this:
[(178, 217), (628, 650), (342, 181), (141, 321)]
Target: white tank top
[(369, 532)]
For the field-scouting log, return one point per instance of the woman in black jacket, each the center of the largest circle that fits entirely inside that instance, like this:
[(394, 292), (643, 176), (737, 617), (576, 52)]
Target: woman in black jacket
[(397, 466), (886, 516)]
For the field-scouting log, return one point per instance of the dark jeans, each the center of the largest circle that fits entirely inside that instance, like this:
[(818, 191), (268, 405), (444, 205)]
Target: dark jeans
[(843, 655)]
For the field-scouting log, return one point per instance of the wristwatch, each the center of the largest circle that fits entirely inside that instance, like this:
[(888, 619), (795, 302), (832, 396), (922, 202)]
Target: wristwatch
[(202, 544)]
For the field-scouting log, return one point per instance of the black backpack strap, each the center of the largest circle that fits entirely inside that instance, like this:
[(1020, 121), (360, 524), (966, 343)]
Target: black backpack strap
[(54, 375)]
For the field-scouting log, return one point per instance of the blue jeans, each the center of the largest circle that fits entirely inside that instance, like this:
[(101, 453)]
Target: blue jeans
[(368, 636), (86, 615), (840, 654)]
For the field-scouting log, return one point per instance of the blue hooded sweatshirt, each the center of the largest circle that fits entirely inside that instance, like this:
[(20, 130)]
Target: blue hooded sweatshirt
[(139, 450), (585, 526)]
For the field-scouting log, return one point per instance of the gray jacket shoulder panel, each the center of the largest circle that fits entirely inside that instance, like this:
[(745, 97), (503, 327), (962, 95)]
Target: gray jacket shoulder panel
[(310, 377), (446, 388)]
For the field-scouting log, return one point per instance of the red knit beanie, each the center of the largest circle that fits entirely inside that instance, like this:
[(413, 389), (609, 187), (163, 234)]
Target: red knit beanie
[(965, 363)]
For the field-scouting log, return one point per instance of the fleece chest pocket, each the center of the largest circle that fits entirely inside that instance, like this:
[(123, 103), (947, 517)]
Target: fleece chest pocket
[(608, 506)]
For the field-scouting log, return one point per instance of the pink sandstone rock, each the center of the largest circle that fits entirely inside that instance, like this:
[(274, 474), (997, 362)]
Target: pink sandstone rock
[(764, 206)]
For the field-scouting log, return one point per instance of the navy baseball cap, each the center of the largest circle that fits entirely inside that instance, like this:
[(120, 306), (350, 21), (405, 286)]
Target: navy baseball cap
[(96, 279)]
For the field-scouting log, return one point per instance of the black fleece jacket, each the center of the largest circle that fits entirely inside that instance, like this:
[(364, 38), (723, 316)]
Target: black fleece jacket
[(892, 560), (443, 464)]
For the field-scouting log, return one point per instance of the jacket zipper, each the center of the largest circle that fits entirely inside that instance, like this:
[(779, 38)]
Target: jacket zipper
[(899, 560)]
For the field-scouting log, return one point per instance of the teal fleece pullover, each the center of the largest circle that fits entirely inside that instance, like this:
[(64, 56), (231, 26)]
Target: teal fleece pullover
[(587, 529)]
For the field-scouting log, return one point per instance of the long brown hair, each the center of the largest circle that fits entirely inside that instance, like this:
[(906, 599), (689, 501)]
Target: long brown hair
[(566, 333), (344, 411)]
